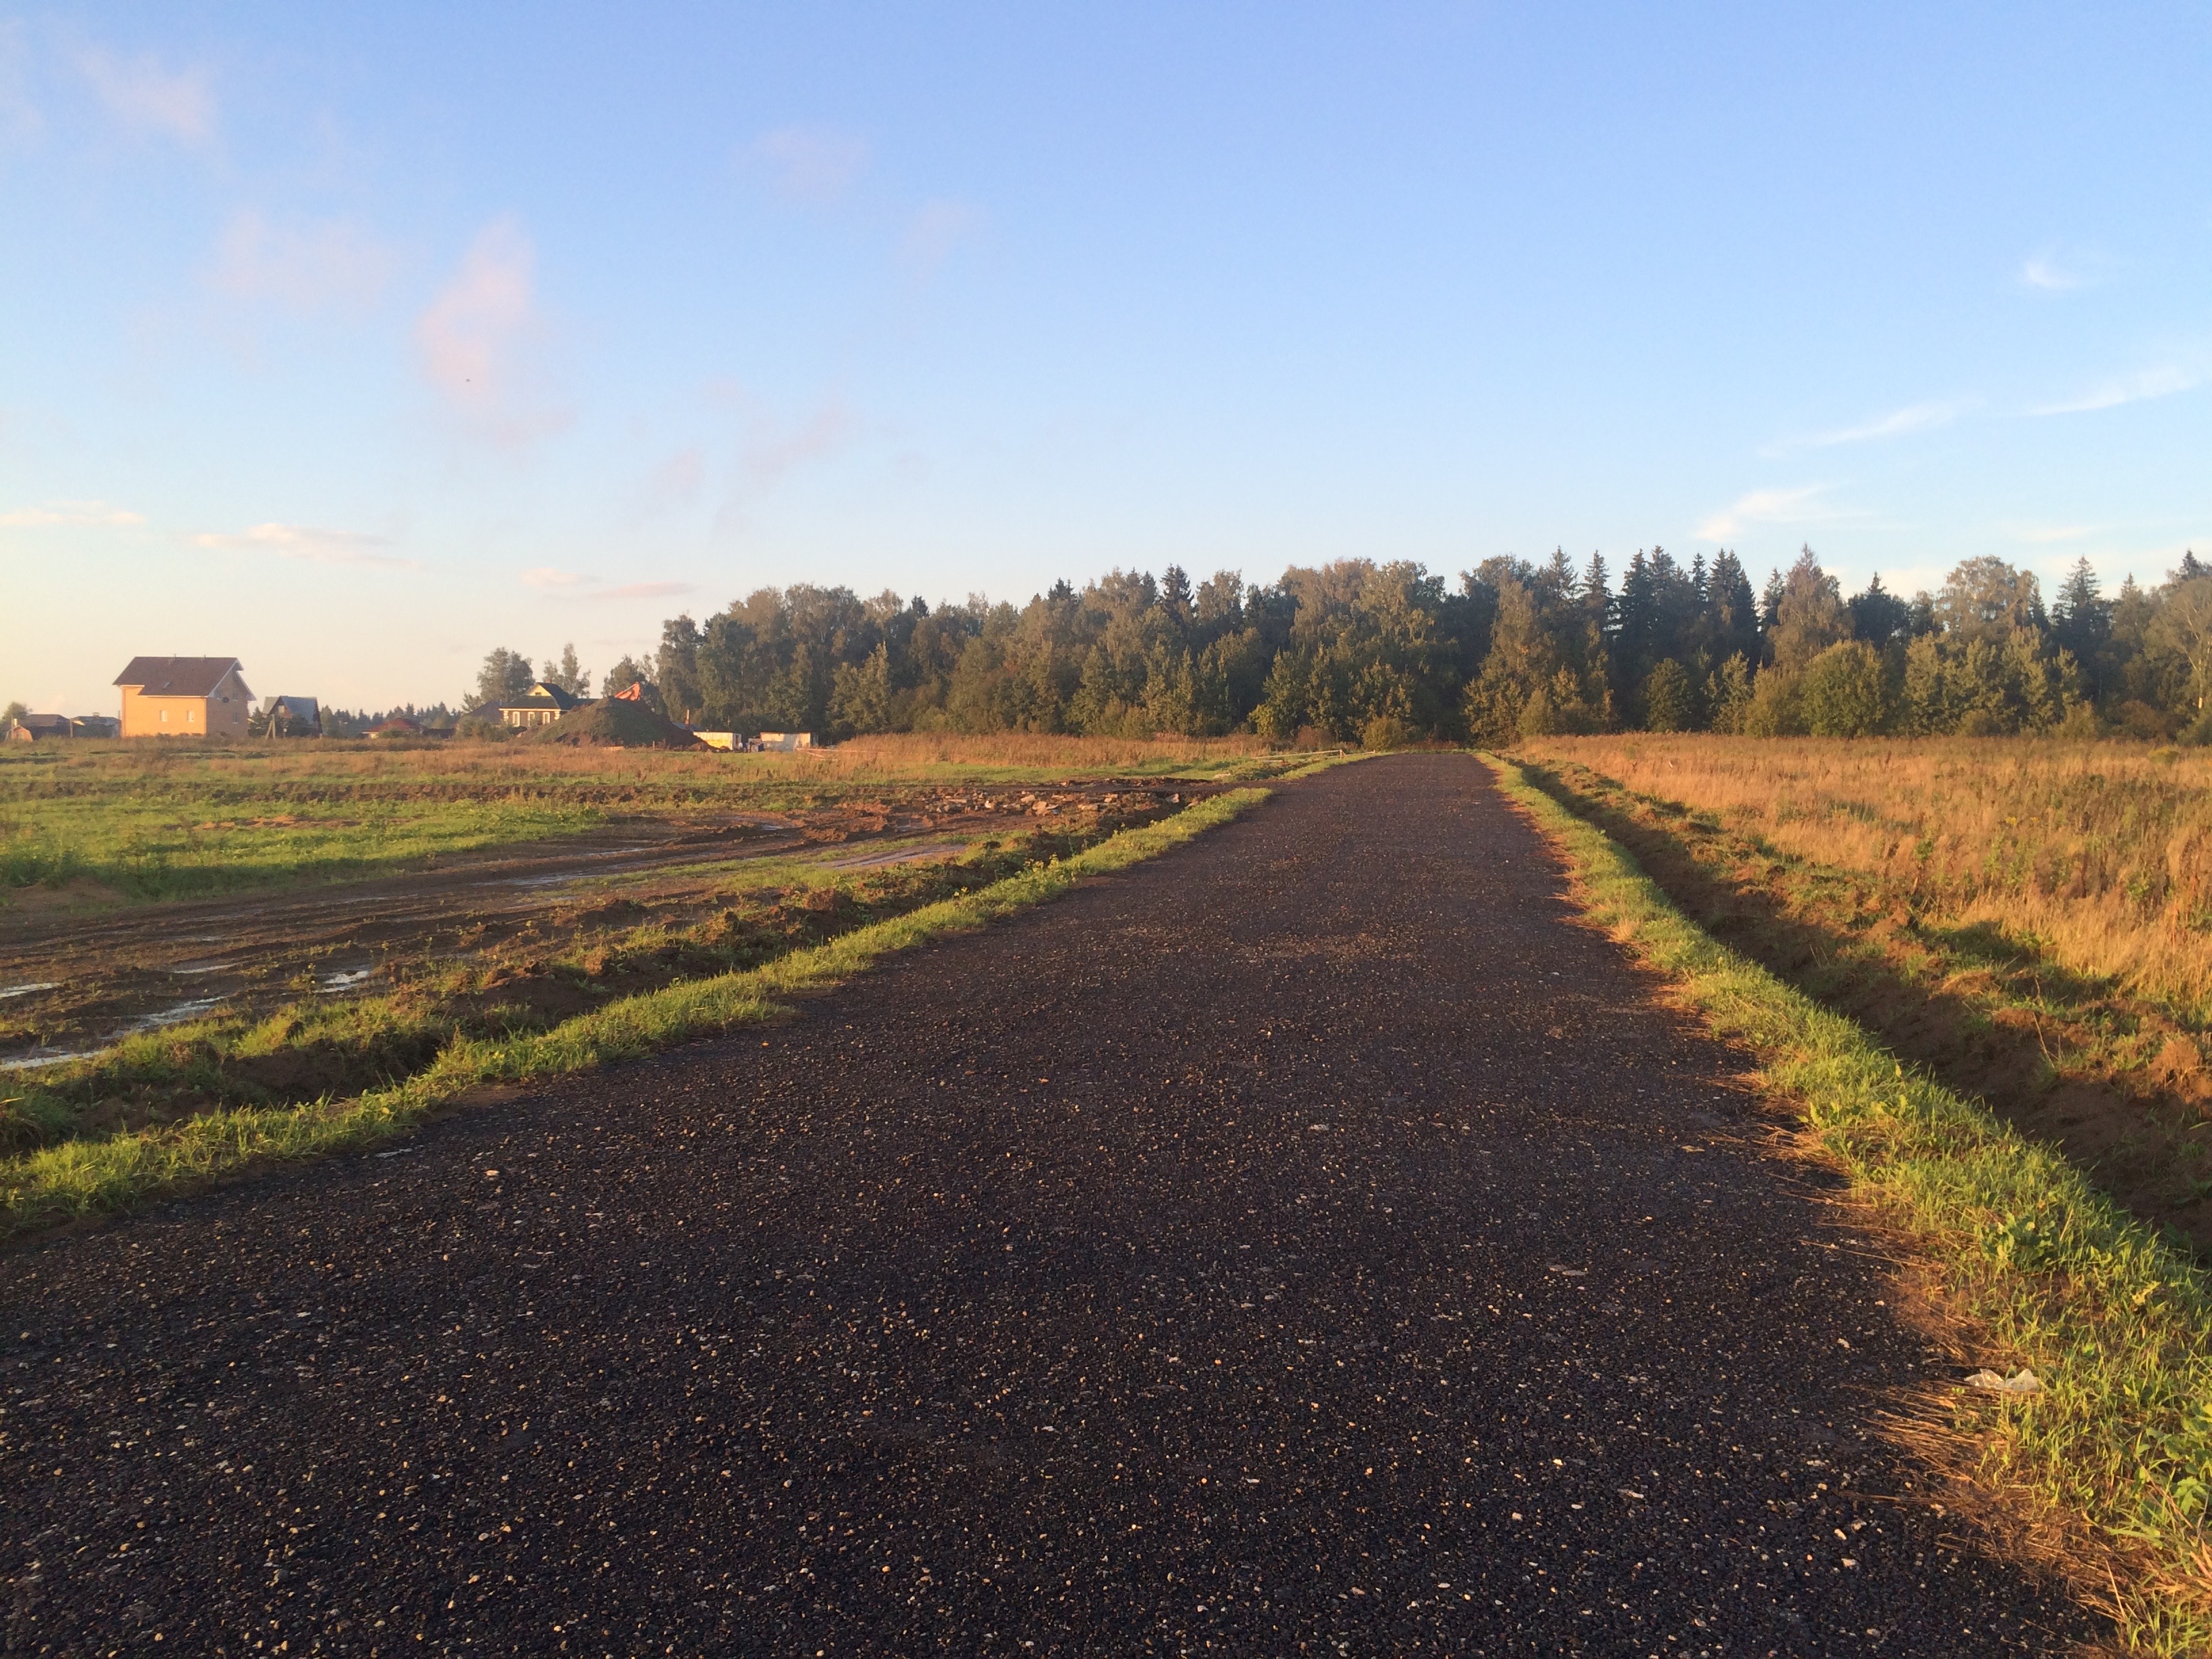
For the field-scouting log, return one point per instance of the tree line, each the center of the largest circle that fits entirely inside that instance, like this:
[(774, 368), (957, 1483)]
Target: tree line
[(1362, 650)]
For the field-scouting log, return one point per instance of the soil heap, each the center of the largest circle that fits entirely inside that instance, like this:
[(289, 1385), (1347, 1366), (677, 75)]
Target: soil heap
[(610, 723)]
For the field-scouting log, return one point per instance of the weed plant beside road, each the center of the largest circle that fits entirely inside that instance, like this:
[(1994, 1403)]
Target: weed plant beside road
[(2114, 1453)]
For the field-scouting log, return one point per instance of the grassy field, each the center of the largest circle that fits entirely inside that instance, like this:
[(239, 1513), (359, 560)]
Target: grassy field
[(2098, 854), (2105, 1470), (115, 821)]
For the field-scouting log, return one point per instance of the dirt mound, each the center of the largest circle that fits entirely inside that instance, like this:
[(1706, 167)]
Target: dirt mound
[(608, 724)]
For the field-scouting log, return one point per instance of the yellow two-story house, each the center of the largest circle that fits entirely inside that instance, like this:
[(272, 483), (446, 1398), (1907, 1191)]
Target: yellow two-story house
[(185, 697)]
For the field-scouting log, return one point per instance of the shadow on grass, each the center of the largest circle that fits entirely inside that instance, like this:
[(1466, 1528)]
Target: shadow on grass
[(2068, 1060)]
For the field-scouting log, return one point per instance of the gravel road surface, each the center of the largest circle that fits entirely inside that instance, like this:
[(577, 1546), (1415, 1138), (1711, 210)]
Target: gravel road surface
[(1308, 1242)]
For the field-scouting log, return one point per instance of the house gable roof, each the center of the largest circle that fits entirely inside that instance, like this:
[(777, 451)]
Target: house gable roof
[(544, 695), (177, 677)]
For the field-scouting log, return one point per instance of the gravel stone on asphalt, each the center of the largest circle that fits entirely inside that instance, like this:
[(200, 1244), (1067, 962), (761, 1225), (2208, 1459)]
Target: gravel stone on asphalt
[(1310, 1240)]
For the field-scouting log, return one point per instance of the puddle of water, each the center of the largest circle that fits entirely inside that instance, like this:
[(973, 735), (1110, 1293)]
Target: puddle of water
[(898, 855), (343, 982), (201, 967), (7, 991), (174, 1015), (43, 1057)]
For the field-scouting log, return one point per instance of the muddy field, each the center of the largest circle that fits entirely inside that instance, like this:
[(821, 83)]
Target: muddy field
[(78, 974)]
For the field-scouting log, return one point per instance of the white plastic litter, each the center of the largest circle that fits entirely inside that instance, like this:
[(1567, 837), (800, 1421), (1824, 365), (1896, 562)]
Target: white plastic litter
[(2022, 1382)]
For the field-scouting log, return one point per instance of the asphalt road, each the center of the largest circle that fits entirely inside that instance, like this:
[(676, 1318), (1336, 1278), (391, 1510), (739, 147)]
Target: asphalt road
[(1309, 1242)]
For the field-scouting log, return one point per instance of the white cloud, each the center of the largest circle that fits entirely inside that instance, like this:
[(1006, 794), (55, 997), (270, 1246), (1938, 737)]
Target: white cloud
[(1801, 505), (2052, 271), (147, 98), (335, 263), (70, 513), (2161, 382), (304, 542), (546, 579), (935, 231), (476, 336), (1914, 418), (814, 164)]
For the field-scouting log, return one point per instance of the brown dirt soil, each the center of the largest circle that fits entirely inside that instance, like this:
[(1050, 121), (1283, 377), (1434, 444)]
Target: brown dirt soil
[(2114, 1081)]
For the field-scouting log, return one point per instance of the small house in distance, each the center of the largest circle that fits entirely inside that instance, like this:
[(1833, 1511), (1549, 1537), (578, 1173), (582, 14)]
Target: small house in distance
[(185, 697), (542, 704), (292, 717), (41, 728), (44, 728), (398, 725), (787, 741)]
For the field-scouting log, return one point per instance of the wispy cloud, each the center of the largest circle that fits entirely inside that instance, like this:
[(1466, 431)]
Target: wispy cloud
[(146, 97), (1898, 423), (676, 482), (305, 542), (646, 591), (2161, 382), (70, 513), (934, 231), (1800, 506), (2056, 272), (771, 453), (476, 336), (576, 584), (814, 164), (333, 263)]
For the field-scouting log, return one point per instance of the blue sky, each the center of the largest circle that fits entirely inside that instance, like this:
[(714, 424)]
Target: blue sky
[(354, 345)]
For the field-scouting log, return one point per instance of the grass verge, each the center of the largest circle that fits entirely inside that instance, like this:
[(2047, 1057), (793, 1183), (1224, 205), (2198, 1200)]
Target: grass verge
[(85, 1178), (2113, 1455), (2089, 1063)]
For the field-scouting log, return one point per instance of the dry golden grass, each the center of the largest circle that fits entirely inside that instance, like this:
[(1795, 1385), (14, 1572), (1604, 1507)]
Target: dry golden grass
[(2100, 852)]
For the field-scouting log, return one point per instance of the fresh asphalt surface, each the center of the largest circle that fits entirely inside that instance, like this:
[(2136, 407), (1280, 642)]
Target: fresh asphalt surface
[(1308, 1242)]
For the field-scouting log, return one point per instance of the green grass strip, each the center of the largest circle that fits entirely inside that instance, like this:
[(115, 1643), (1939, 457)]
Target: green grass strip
[(2114, 1319), (79, 1178)]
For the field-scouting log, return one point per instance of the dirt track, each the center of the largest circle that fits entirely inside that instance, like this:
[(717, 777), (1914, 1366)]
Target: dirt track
[(1309, 1242)]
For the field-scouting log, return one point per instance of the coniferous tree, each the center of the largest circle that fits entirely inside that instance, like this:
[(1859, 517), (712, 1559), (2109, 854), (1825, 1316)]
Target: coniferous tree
[(1878, 615)]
